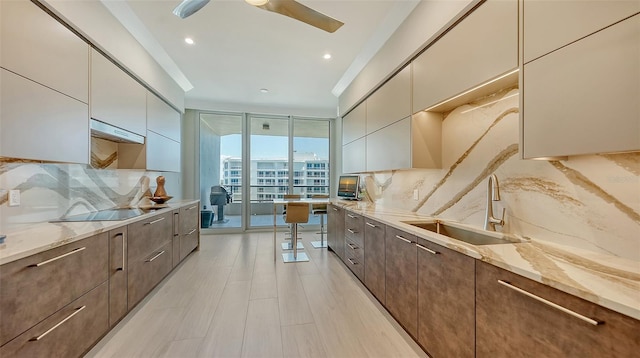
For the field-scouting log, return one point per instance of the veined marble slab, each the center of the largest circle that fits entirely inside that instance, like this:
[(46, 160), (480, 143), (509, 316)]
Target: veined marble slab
[(31, 239), (610, 281)]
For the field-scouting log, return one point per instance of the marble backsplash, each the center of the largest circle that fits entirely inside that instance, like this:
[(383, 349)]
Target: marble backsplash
[(590, 202), (51, 190)]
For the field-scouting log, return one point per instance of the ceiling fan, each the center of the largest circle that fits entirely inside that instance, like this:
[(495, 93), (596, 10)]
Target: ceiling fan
[(290, 8)]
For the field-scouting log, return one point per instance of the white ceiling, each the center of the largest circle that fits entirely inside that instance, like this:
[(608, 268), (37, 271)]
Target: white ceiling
[(240, 49)]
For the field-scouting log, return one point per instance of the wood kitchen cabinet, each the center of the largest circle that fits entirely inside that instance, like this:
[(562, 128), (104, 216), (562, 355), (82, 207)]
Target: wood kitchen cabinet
[(117, 98), (583, 98), (69, 332), (354, 124), (512, 321), (550, 25), (354, 249), (176, 238), (483, 46), (150, 254), (374, 258), (38, 286), (36, 46), (189, 226), (401, 278), (39, 123), (446, 301), (117, 275), (354, 156), (162, 118), (389, 103), (335, 229), (416, 144)]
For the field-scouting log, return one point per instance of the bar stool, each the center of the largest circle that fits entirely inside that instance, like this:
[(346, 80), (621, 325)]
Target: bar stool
[(287, 245), (319, 209), (297, 212)]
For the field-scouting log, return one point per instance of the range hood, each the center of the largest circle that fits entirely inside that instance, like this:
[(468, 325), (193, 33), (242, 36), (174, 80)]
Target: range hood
[(113, 133)]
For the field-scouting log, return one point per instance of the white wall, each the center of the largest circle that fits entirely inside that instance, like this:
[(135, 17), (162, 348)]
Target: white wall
[(98, 25)]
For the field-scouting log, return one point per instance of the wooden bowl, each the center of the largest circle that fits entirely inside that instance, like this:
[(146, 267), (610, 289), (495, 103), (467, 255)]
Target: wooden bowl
[(160, 199)]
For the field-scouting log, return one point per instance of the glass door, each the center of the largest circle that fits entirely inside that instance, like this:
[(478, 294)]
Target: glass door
[(268, 167), (221, 169)]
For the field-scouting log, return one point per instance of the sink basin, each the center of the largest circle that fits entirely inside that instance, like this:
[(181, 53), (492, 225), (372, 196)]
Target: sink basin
[(466, 235)]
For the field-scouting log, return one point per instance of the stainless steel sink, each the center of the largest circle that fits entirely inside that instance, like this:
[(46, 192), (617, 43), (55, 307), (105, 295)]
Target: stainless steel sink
[(466, 235)]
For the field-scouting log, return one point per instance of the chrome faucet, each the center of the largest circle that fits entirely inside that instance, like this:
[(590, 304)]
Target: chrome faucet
[(493, 194)]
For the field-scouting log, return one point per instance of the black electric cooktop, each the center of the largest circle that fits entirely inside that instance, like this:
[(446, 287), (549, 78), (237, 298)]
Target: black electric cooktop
[(103, 215)]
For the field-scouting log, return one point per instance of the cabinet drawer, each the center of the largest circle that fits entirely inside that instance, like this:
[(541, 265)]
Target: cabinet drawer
[(512, 321), (188, 243), (33, 288), (68, 332), (354, 258), (188, 218), (149, 234), (146, 272), (354, 228)]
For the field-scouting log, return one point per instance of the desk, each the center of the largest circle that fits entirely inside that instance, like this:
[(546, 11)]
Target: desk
[(277, 202)]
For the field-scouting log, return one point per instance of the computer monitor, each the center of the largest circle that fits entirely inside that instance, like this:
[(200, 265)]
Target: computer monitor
[(348, 187)]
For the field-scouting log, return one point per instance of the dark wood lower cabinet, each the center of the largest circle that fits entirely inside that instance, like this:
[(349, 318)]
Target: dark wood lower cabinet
[(374, 257), (67, 333), (335, 229), (354, 258), (146, 272), (401, 271), (33, 288), (511, 323), (446, 301), (118, 271)]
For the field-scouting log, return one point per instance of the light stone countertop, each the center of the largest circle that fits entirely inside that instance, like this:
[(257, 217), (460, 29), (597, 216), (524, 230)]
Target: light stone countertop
[(31, 239), (607, 280)]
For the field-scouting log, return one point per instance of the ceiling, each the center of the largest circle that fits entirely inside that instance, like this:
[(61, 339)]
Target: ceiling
[(240, 49)]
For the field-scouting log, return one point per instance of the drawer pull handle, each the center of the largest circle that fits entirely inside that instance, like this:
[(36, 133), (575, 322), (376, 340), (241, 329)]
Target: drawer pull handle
[(74, 251), (352, 231), (154, 221), (351, 216), (427, 249), (352, 246), (121, 268), (77, 310), (155, 257), (334, 209), (352, 262), (192, 231), (191, 208), (371, 225), (549, 303), (404, 239)]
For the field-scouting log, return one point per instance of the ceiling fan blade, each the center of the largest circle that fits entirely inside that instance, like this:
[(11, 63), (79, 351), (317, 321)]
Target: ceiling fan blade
[(188, 7), (296, 10)]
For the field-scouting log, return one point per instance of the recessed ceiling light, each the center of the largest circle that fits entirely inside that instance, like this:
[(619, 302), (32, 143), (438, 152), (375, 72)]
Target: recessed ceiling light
[(264, 90), (189, 40), (327, 56)]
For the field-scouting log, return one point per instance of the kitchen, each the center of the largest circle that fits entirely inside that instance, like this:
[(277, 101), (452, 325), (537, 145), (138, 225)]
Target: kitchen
[(579, 207)]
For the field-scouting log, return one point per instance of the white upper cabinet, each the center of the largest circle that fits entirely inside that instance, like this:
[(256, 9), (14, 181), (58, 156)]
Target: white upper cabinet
[(162, 119), (481, 47), (163, 154), (414, 142), (116, 98), (39, 123), (549, 25), (584, 97), (391, 102), (354, 156), (353, 124), (36, 46)]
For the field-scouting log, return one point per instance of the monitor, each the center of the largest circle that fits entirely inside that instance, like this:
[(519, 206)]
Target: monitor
[(348, 187)]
